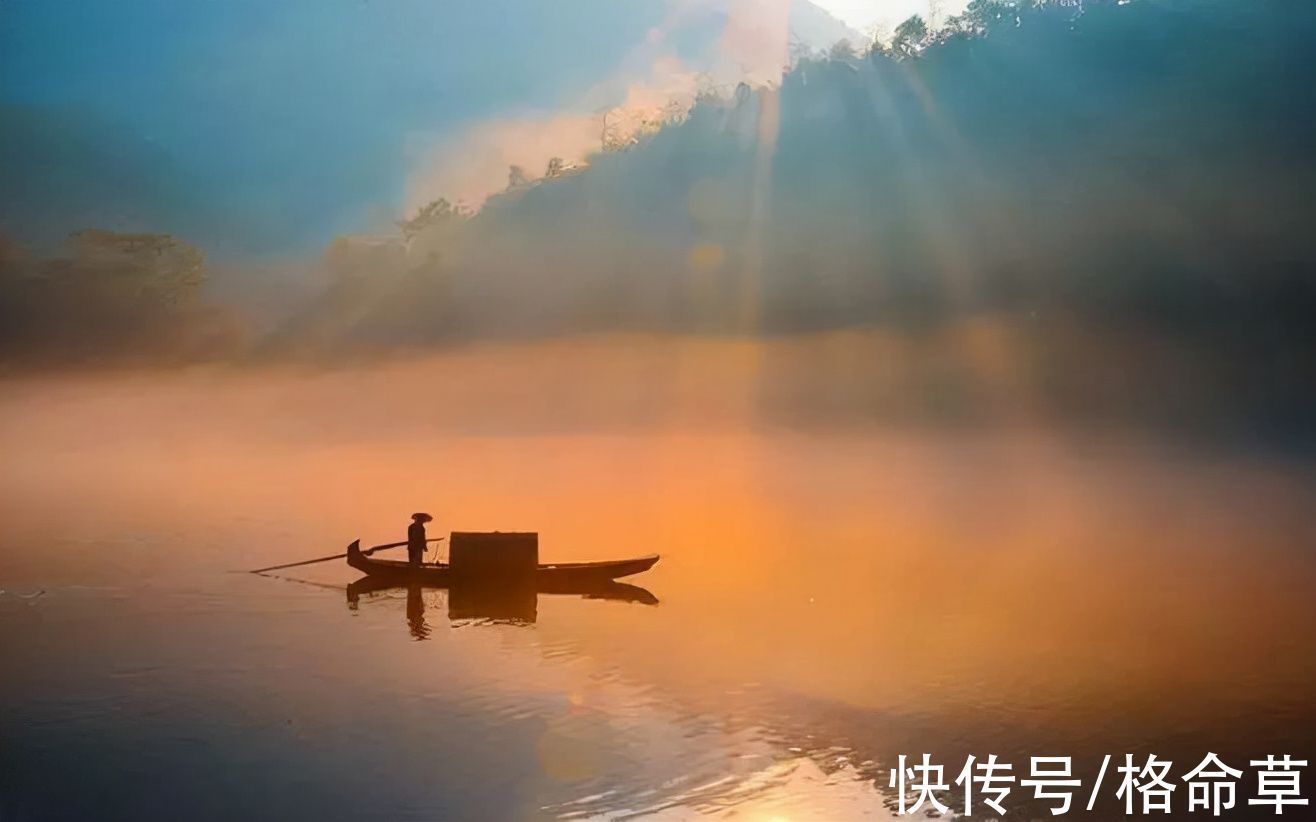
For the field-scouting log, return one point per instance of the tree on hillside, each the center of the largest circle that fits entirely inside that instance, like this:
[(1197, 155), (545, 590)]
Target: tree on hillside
[(435, 213), (842, 50), (159, 267), (115, 297), (980, 16), (910, 36)]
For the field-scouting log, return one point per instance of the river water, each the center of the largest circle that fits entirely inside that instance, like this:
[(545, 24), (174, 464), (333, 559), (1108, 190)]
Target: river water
[(827, 599)]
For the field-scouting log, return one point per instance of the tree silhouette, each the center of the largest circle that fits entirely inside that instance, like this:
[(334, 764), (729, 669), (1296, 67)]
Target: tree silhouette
[(517, 177), (910, 36), (433, 213)]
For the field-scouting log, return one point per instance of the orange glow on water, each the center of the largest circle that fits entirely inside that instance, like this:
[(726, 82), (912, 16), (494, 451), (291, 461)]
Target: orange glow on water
[(898, 567)]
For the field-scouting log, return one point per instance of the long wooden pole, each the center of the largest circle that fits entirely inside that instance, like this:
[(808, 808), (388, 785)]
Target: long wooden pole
[(335, 556)]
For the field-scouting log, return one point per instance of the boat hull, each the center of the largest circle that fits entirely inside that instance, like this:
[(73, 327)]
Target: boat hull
[(568, 575)]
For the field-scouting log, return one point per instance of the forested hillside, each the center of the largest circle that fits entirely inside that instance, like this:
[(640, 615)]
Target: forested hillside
[(1118, 196), (1123, 192)]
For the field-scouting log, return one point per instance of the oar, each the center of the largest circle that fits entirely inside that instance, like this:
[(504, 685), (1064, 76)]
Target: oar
[(335, 556)]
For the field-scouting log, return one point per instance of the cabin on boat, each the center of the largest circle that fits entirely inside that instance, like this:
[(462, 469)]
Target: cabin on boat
[(506, 556)]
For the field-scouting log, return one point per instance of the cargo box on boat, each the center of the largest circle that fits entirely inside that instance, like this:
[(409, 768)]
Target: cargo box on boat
[(494, 556)]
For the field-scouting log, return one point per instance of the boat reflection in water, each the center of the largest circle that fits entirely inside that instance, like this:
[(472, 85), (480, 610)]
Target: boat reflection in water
[(508, 604)]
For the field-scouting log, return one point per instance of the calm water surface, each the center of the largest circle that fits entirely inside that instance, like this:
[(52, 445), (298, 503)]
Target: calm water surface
[(826, 602)]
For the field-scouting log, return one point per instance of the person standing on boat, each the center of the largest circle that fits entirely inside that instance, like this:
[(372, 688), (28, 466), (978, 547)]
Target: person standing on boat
[(416, 538)]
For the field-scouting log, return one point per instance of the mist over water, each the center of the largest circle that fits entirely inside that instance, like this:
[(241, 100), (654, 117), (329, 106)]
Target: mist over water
[(831, 595)]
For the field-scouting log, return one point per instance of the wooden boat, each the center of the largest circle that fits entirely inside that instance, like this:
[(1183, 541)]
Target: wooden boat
[(561, 575)]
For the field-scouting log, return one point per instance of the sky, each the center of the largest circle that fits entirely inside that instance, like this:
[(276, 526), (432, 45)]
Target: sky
[(280, 123), (864, 15)]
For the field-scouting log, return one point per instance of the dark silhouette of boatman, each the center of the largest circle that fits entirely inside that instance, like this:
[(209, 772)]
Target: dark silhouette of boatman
[(416, 538)]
